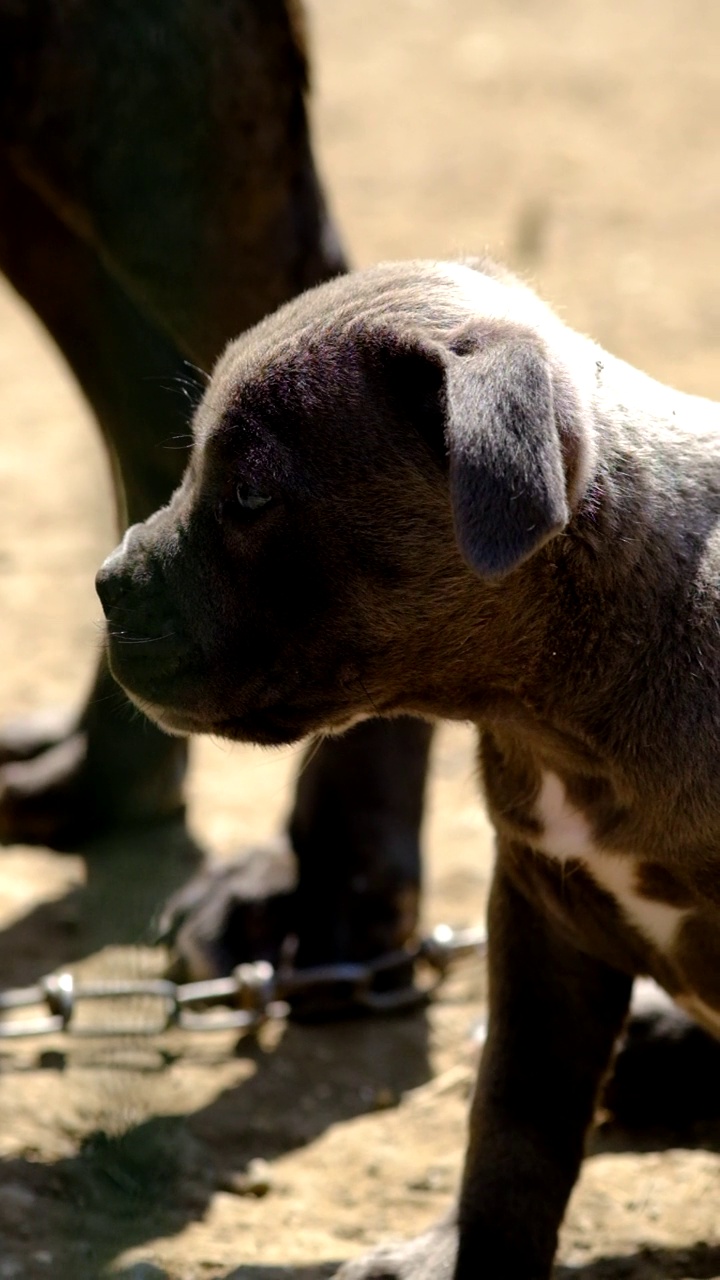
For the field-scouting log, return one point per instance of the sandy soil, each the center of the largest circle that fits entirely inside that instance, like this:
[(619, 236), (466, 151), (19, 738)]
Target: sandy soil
[(579, 143)]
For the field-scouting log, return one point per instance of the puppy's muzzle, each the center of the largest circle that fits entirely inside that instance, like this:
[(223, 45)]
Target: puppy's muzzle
[(113, 579), (147, 645)]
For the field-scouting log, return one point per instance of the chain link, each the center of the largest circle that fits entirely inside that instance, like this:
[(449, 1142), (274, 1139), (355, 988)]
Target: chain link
[(251, 995)]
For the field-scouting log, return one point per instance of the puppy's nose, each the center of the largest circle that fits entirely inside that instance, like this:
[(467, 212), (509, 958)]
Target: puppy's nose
[(112, 578)]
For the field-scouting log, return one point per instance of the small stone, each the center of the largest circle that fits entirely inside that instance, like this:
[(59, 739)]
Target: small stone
[(255, 1180), (51, 1060), (436, 1178)]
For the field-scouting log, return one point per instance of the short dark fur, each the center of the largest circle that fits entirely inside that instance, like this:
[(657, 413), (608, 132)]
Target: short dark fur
[(471, 512)]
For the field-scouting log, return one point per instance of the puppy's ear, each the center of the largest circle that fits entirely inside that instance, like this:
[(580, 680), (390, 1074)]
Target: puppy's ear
[(507, 477)]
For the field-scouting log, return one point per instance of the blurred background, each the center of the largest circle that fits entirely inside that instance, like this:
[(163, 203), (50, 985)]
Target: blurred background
[(577, 140)]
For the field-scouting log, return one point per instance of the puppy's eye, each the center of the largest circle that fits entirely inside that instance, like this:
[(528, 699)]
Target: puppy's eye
[(251, 499)]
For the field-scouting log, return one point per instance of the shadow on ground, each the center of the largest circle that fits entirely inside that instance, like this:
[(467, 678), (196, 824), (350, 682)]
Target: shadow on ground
[(160, 1175), (156, 1176), (129, 877), (698, 1262)]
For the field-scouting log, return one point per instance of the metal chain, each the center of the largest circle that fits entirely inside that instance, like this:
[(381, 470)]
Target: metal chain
[(251, 995)]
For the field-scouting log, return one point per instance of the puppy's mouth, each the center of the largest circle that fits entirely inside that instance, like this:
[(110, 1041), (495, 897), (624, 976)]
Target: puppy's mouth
[(275, 725), (183, 701)]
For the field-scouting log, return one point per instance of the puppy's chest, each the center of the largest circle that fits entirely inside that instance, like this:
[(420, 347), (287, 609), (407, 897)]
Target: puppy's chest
[(633, 911)]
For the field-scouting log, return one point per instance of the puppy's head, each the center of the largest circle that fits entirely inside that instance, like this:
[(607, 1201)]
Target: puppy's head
[(373, 465)]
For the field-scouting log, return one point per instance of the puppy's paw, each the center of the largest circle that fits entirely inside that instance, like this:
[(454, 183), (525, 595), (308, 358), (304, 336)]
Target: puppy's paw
[(231, 914), (429, 1257)]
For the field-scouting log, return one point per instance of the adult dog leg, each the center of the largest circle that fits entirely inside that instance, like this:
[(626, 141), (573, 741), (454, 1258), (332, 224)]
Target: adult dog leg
[(111, 766), (355, 827), (163, 157)]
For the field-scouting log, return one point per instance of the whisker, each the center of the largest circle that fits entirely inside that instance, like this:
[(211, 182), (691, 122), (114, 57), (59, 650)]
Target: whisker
[(370, 699), (121, 638), (196, 369), (117, 696), (311, 752)]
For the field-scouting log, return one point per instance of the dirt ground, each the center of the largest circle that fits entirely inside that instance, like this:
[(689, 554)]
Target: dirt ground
[(578, 141)]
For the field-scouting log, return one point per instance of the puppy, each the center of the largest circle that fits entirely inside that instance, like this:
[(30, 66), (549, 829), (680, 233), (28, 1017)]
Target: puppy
[(416, 490)]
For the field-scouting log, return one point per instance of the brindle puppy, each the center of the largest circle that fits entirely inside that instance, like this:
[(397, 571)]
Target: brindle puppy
[(415, 489)]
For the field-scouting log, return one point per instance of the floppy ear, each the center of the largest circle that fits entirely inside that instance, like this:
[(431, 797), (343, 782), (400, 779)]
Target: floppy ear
[(507, 478)]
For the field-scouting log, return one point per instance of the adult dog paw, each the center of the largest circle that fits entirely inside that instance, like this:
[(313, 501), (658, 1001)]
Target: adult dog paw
[(230, 914), (63, 782)]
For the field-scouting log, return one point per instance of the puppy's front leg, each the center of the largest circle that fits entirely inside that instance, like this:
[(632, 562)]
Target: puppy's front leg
[(555, 1013), (554, 1016)]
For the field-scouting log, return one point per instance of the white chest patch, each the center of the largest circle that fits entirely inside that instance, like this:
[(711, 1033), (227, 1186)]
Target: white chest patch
[(566, 836)]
